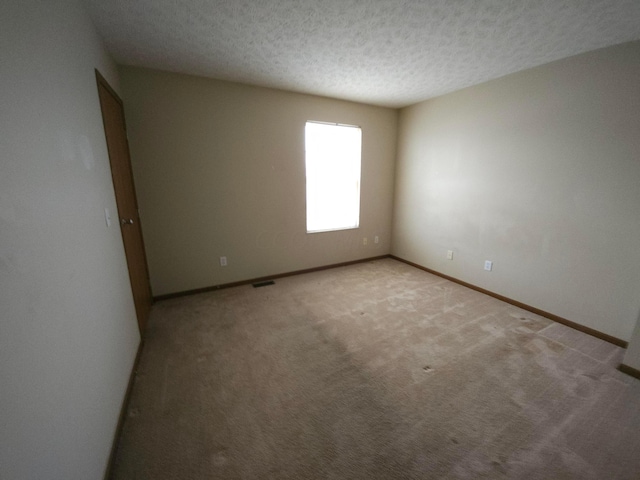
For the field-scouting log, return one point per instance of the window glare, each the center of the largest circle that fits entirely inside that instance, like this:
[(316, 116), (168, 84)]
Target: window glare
[(333, 176)]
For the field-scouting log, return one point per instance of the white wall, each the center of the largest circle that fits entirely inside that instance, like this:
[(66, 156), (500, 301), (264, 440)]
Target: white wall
[(632, 355), (540, 172), (219, 169), (68, 333)]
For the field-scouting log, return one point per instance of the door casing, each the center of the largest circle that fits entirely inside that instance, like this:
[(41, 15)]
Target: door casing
[(125, 193)]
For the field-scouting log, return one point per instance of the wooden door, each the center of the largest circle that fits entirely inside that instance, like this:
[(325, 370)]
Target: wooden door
[(129, 221)]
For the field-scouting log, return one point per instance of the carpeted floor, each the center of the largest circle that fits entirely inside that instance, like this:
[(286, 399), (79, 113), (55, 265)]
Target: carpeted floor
[(373, 371)]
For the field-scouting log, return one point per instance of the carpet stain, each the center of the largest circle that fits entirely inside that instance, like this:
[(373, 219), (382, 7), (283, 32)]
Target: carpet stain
[(219, 459), (134, 412)]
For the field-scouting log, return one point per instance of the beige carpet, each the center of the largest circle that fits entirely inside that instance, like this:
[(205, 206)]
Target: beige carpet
[(373, 371)]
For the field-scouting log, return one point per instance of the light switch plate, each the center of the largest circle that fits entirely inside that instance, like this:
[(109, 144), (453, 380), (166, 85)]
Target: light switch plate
[(107, 217)]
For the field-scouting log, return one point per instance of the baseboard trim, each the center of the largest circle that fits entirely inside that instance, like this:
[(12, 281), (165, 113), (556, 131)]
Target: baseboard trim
[(262, 279), (123, 413), (576, 326), (590, 331), (634, 372)]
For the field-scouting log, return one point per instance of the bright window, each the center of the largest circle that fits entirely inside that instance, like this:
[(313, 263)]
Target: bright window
[(332, 159)]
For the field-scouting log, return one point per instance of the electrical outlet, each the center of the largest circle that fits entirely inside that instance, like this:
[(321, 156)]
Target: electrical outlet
[(223, 261), (376, 239), (364, 241), (488, 265), (449, 254)]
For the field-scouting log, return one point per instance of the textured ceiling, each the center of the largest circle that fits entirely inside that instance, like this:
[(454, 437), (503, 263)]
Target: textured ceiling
[(382, 52)]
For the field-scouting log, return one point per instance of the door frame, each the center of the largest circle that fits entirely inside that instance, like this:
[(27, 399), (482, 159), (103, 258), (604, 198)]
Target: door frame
[(142, 311)]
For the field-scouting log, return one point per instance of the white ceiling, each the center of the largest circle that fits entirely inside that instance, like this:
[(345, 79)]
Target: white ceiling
[(382, 52)]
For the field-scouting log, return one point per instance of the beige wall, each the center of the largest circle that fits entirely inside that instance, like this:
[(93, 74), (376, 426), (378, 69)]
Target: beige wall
[(68, 333), (540, 172), (219, 170)]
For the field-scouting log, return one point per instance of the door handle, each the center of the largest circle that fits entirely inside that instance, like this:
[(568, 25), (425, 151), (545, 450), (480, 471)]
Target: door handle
[(125, 221)]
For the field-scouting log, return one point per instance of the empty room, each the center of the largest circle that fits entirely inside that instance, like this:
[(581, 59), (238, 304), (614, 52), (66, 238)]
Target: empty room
[(299, 239)]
